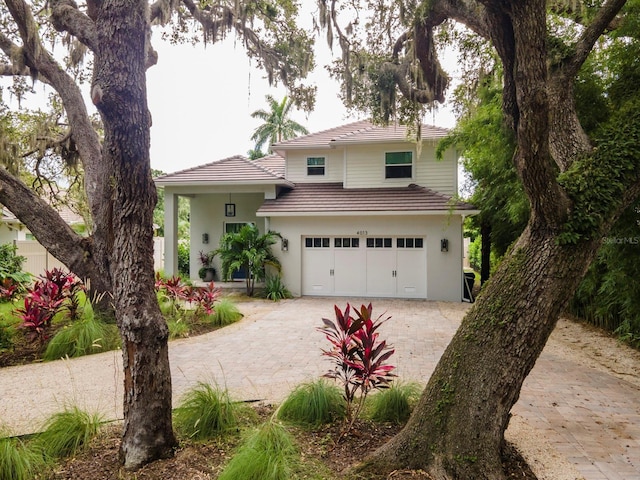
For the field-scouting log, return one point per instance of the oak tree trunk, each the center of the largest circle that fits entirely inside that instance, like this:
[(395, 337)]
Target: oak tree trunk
[(458, 426), (119, 92), (457, 429)]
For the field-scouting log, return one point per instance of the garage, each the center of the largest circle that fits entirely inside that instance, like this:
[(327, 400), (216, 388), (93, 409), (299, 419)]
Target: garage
[(372, 266)]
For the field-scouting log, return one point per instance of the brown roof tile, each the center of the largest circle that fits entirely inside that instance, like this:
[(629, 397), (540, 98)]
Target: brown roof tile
[(236, 169), (358, 132), (333, 198)]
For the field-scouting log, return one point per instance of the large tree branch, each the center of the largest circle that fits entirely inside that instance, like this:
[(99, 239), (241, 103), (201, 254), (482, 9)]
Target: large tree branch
[(603, 18), (66, 17), (97, 185), (45, 223)]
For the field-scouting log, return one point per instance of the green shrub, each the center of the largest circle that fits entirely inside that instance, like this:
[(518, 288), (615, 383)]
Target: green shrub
[(11, 264), (225, 313), (394, 404), (183, 258), (17, 460), (178, 328), (66, 433), (313, 404), (275, 290), (206, 411), (269, 453), (83, 337)]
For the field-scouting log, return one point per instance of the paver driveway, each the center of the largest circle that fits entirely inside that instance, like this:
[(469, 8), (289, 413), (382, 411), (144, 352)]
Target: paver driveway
[(589, 417)]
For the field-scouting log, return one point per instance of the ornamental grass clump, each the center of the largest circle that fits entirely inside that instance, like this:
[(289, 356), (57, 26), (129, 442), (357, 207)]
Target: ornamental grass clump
[(269, 453), (67, 432), (313, 404), (394, 404), (83, 337), (226, 312), (207, 411), (18, 461), (359, 357)]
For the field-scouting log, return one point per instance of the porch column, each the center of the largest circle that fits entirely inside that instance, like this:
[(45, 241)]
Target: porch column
[(170, 233)]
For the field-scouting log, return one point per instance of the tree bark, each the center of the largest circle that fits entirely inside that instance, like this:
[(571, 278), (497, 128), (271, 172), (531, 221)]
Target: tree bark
[(119, 91), (457, 428)]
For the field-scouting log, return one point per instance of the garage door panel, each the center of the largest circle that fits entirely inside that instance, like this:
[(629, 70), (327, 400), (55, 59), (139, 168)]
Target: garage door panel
[(317, 266), (412, 273), (349, 271), (381, 264), (372, 266)]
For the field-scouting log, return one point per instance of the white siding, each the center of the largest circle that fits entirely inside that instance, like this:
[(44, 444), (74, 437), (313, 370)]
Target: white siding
[(438, 175), (297, 166), (365, 166)]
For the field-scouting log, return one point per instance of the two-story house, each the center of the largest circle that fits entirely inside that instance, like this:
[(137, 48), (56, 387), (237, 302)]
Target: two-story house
[(362, 211)]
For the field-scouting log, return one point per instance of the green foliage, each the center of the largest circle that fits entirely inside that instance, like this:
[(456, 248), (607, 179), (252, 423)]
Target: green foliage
[(17, 460), (11, 265), (608, 295), (394, 405), (184, 252), (225, 313), (83, 337), (596, 183), (274, 289), (7, 331), (207, 411), (313, 404), (66, 433), (269, 453), (277, 125), (249, 251), (178, 328)]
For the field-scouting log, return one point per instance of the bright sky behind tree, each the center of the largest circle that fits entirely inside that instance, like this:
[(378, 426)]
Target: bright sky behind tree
[(201, 99)]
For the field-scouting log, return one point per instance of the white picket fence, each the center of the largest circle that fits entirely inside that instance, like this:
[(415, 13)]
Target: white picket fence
[(38, 260)]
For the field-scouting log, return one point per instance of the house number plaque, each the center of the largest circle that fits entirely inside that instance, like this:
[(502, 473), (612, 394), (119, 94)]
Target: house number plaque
[(362, 232)]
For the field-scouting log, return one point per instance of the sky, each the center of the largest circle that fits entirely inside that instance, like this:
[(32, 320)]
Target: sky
[(201, 100)]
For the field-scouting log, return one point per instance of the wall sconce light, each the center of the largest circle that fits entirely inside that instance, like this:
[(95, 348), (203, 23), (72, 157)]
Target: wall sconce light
[(444, 245), (229, 209), (205, 238), (285, 245)]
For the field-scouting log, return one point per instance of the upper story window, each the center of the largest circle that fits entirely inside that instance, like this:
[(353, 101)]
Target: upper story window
[(315, 165), (398, 164)]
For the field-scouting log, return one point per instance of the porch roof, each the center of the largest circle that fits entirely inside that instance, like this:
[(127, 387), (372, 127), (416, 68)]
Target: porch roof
[(230, 171), (333, 199)]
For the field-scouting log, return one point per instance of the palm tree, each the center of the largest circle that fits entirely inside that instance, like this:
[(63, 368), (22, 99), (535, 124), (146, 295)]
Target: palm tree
[(248, 251), (277, 126)]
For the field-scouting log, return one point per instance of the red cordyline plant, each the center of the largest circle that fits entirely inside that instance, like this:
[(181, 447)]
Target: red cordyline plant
[(47, 297), (176, 291), (358, 355)]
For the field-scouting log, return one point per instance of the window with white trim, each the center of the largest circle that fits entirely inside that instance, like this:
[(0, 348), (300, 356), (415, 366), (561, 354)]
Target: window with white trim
[(315, 166), (398, 165)]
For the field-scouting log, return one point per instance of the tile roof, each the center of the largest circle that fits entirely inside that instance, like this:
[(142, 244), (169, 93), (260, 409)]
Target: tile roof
[(332, 198), (236, 170), (358, 132), (273, 163)]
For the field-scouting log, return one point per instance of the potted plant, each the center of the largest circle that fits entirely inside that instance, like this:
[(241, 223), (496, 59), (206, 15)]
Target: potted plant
[(206, 273)]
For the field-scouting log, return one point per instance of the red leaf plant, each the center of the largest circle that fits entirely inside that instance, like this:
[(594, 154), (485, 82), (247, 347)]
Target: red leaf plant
[(47, 296), (358, 355)]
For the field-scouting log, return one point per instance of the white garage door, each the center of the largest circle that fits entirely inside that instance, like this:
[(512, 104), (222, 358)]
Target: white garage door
[(368, 266)]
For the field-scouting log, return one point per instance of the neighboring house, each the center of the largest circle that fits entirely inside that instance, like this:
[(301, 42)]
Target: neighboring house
[(362, 211)]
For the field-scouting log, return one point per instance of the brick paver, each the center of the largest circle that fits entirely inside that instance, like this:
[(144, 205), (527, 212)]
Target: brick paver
[(589, 417)]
